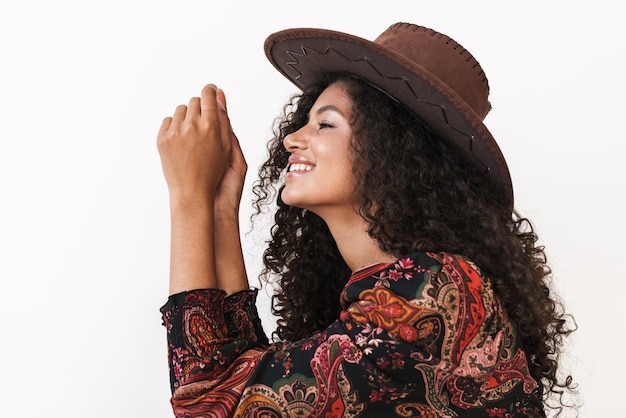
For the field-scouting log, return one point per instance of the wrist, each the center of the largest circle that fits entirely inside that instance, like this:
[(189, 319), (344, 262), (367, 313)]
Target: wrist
[(192, 202)]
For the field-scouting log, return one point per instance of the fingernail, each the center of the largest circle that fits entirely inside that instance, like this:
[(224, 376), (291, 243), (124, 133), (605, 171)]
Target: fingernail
[(221, 105)]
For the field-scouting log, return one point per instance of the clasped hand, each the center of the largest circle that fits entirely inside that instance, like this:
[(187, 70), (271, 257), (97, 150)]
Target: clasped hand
[(200, 155)]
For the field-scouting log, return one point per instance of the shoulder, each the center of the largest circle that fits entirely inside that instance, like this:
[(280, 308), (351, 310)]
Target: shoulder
[(460, 292), (450, 285), (418, 275), (458, 271)]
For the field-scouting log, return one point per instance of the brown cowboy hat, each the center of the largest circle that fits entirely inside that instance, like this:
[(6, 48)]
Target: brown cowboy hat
[(427, 71)]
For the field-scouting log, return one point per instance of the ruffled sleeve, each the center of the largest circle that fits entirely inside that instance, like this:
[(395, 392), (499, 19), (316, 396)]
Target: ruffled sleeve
[(207, 334)]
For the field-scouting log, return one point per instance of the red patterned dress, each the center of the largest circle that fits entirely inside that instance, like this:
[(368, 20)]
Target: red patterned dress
[(421, 337)]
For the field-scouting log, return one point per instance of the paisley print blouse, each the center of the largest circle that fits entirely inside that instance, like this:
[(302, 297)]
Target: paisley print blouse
[(421, 337)]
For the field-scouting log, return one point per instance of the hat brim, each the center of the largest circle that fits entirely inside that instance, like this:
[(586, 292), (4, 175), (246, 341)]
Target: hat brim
[(303, 54)]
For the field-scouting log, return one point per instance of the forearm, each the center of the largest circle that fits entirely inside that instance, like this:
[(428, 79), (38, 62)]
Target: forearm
[(192, 247), (204, 169), (230, 267)]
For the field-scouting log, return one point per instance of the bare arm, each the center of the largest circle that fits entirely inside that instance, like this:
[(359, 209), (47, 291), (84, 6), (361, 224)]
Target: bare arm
[(195, 147), (231, 272)]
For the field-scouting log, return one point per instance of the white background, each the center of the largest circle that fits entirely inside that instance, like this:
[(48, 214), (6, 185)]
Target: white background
[(84, 228)]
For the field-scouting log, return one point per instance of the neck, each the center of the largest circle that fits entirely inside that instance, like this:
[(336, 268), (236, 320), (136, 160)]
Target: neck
[(357, 248)]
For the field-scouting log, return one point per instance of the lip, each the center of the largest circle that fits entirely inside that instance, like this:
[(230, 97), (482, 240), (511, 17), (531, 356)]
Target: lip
[(296, 159)]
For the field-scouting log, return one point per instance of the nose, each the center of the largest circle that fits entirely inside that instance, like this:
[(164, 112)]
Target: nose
[(295, 140)]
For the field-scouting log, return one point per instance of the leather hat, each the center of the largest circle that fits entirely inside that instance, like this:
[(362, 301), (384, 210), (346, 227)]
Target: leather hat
[(427, 71)]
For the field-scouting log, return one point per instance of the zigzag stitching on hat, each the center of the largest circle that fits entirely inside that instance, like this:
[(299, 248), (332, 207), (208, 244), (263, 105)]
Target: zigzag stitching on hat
[(295, 54)]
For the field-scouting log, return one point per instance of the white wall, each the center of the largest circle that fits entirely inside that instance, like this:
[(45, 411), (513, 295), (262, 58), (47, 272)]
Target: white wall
[(84, 214)]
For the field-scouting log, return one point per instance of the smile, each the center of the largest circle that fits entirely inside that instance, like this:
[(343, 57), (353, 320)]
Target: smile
[(300, 167)]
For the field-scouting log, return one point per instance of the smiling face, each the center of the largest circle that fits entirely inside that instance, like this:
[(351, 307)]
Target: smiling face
[(320, 177)]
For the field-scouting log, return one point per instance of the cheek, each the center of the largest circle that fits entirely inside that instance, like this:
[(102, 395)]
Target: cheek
[(347, 164), (348, 179)]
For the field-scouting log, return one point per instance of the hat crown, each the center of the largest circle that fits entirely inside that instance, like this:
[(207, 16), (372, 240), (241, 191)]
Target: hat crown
[(444, 58)]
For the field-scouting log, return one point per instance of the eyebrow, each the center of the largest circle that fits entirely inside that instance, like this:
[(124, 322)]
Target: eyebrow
[(329, 107)]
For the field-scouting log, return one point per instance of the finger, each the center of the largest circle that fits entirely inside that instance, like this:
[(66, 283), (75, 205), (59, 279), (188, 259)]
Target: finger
[(226, 131), (193, 108), (165, 125), (208, 101), (237, 159), (221, 99), (179, 114)]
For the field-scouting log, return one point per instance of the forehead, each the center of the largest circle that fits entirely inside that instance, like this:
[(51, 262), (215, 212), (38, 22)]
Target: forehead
[(335, 95)]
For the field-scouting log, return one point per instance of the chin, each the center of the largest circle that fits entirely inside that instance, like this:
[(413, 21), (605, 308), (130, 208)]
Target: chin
[(290, 199)]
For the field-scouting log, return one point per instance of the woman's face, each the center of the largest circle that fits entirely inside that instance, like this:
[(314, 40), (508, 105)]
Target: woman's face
[(319, 176)]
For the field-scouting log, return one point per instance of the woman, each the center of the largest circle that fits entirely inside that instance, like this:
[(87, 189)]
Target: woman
[(406, 283)]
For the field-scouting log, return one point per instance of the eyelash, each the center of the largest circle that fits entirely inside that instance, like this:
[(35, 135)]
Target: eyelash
[(323, 125)]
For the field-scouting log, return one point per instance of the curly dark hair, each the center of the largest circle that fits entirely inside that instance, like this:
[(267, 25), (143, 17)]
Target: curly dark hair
[(432, 201)]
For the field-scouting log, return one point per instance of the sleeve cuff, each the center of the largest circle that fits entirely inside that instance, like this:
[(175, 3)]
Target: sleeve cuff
[(203, 321)]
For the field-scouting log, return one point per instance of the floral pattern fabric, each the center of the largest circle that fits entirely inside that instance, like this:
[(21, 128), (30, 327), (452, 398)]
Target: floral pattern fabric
[(422, 337)]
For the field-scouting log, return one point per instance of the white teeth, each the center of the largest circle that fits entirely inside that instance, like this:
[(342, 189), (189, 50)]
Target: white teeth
[(300, 167)]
